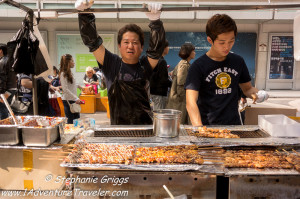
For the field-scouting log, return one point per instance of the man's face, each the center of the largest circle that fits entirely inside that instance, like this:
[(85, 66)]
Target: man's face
[(130, 48), (223, 43)]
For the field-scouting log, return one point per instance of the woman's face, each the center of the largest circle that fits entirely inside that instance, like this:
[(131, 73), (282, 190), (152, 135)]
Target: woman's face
[(89, 73), (192, 55), (72, 64)]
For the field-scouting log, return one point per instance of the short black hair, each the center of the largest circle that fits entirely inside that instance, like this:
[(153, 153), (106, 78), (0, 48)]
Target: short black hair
[(96, 69), (3, 47), (131, 28), (186, 50), (166, 43), (54, 68), (218, 24)]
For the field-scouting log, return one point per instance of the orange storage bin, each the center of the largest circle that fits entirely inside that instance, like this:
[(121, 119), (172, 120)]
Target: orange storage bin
[(100, 106), (61, 106), (90, 103), (107, 108)]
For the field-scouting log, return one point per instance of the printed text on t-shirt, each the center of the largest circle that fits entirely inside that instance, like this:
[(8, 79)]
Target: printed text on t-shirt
[(219, 70)]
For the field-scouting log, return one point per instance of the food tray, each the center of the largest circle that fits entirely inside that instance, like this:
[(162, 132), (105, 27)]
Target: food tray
[(128, 164), (124, 131), (141, 167), (252, 171), (10, 133), (42, 135), (246, 131)]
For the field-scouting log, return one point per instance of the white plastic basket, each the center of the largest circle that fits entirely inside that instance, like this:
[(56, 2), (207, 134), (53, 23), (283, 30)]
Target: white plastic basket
[(279, 125)]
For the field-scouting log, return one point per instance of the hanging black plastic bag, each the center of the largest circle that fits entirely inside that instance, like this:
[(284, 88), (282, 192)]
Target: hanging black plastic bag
[(129, 103), (23, 52)]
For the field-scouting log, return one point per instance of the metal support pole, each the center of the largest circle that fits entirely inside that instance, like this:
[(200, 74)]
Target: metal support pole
[(34, 96), (180, 9)]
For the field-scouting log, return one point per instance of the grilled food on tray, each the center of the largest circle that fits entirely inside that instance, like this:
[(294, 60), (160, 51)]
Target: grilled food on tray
[(101, 154), (294, 159), (212, 133), (40, 122), (9, 120), (256, 159), (183, 154)]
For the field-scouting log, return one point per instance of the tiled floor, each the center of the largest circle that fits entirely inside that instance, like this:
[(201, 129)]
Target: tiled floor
[(100, 117)]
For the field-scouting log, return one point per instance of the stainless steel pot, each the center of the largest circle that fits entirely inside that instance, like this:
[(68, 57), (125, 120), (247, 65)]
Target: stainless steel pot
[(166, 122)]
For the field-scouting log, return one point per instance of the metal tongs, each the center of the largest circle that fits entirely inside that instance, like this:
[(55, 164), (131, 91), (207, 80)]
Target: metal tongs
[(9, 109)]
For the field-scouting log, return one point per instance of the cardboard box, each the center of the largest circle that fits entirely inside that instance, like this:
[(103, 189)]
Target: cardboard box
[(251, 115)]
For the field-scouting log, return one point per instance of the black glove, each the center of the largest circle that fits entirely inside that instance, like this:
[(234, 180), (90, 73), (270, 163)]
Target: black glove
[(157, 39), (88, 31)]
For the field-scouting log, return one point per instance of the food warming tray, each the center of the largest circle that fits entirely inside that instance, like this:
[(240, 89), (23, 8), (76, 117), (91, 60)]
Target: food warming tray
[(42, 135), (10, 133), (124, 131)]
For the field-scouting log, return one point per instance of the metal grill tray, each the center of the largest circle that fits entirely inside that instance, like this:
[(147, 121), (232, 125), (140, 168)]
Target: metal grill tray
[(140, 167), (252, 171), (269, 141), (124, 131), (245, 131), (206, 167), (183, 137)]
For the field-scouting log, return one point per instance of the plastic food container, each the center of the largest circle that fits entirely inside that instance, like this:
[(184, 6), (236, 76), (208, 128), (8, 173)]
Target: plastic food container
[(279, 125), (166, 122)]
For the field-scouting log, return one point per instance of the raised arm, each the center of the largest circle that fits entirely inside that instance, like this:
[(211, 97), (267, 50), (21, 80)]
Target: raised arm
[(157, 34), (88, 30)]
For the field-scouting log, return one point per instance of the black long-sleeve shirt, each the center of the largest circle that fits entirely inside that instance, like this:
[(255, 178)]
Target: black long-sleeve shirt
[(159, 82)]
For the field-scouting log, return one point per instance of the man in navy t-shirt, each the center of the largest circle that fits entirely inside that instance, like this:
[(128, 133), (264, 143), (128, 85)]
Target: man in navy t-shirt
[(128, 76), (213, 81)]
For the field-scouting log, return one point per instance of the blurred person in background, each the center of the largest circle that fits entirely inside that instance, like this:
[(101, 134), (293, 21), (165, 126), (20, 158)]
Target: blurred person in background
[(69, 86), (23, 98), (159, 82), (177, 95), (55, 82), (54, 93), (90, 79), (8, 83), (101, 77)]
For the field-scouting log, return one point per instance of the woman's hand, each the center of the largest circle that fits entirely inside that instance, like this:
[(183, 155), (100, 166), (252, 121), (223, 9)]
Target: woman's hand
[(79, 101)]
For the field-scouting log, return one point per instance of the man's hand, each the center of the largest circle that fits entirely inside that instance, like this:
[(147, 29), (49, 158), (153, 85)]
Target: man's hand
[(154, 11), (261, 96), (83, 4)]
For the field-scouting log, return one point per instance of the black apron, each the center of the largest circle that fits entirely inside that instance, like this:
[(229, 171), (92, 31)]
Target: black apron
[(129, 102)]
